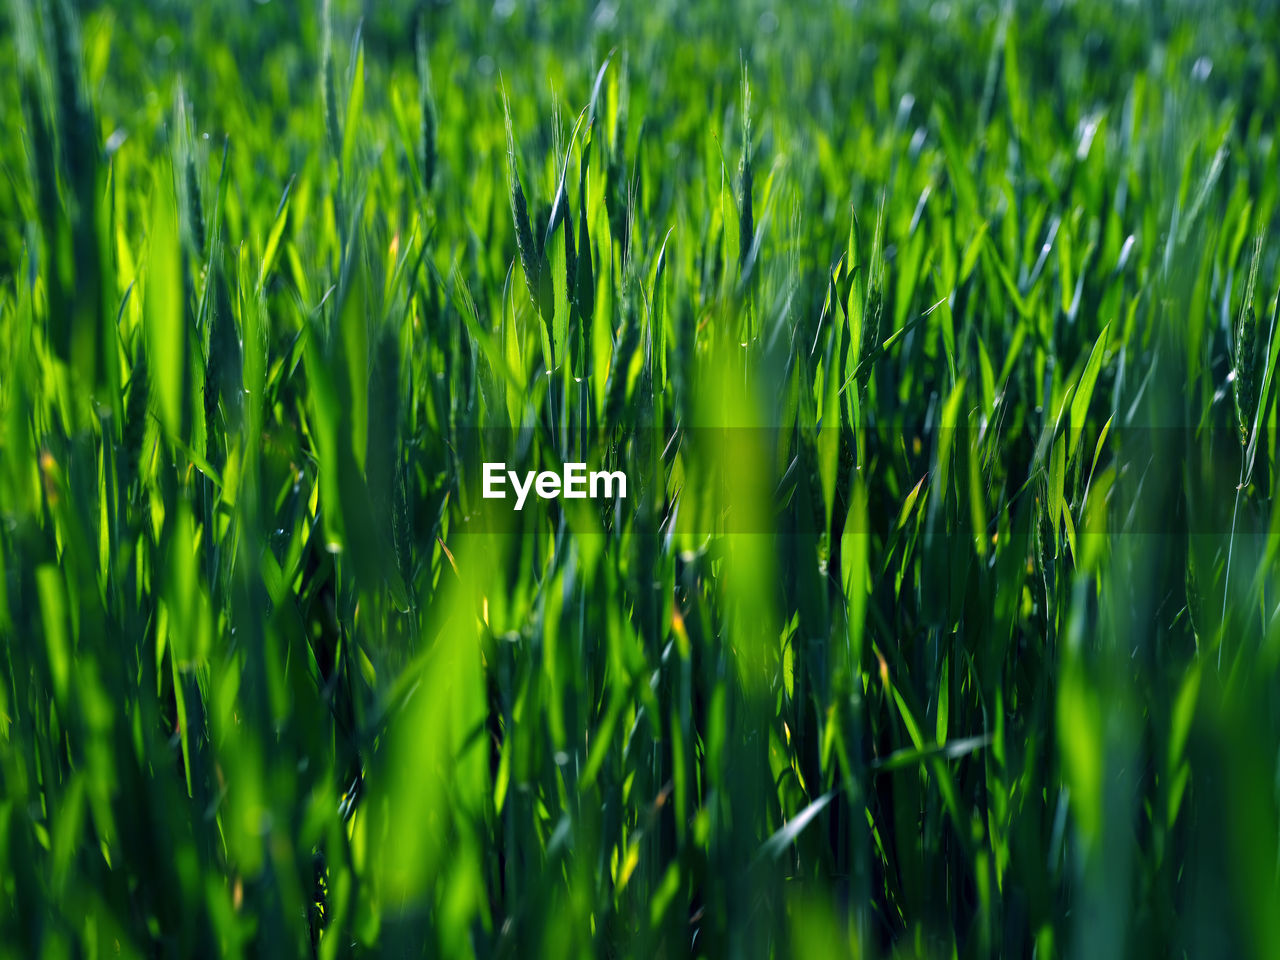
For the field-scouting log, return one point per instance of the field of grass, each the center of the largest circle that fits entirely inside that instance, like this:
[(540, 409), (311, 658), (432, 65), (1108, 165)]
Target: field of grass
[(937, 342)]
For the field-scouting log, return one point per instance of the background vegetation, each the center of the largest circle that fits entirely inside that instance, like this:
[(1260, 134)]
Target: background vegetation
[(937, 341)]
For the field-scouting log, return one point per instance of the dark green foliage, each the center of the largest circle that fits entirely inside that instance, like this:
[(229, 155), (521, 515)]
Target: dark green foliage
[(530, 256), (1248, 366), (427, 106)]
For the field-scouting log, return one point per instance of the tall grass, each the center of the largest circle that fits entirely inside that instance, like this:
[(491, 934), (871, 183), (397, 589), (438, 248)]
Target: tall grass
[(937, 342)]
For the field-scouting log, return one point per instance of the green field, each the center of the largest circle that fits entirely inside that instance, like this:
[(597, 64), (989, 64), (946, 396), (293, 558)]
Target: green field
[(936, 341)]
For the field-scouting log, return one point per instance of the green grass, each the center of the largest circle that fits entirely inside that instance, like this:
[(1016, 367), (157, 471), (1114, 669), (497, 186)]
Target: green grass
[(938, 345)]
